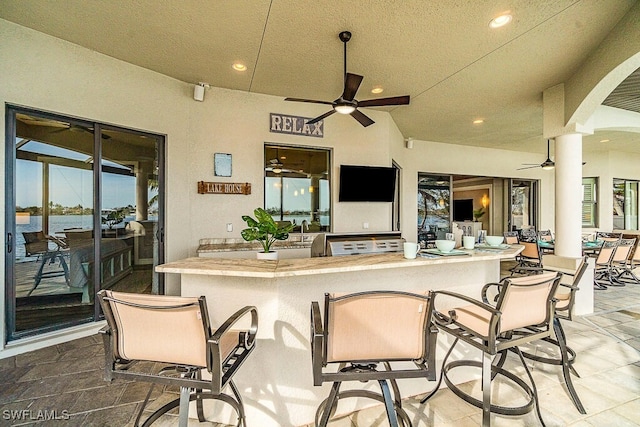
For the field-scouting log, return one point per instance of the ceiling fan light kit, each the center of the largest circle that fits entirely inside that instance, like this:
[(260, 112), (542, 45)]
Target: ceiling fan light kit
[(346, 104)]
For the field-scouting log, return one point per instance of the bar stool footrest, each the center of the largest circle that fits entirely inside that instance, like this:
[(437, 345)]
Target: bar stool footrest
[(497, 409)]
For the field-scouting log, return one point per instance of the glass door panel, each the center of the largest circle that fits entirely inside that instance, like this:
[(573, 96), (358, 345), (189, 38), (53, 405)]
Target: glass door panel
[(53, 195), (523, 204), (129, 215), (434, 207)]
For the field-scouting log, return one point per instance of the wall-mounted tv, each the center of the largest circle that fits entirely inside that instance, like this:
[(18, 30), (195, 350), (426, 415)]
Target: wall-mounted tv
[(366, 184), (463, 210)]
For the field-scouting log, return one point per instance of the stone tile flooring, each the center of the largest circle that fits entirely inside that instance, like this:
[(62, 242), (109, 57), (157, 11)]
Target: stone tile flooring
[(65, 381)]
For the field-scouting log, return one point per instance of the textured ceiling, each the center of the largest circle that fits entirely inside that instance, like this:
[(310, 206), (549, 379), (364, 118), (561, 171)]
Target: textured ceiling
[(441, 53)]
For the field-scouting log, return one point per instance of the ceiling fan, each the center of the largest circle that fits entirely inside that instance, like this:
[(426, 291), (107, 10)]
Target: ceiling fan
[(277, 167), (546, 165), (61, 126), (346, 104)]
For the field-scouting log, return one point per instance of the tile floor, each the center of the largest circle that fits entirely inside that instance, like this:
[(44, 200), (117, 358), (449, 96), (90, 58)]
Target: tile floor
[(66, 381)]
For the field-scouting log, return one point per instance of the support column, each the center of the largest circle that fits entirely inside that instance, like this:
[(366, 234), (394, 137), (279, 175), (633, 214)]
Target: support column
[(142, 191), (568, 206)]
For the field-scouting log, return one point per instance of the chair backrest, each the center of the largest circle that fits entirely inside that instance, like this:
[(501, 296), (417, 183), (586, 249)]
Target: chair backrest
[(35, 243), (527, 301), (528, 235), (531, 251), (623, 250), (608, 236), (605, 254), (511, 237), (157, 328), (565, 295), (545, 236), (374, 326)]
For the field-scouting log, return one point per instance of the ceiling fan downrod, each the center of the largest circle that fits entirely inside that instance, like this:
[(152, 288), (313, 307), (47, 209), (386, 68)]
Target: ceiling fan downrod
[(345, 36)]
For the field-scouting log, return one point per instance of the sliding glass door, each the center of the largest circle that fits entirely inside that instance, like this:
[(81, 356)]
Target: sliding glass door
[(63, 213)]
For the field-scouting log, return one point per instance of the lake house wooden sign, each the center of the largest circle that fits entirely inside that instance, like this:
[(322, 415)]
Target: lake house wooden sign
[(224, 187), (295, 125)]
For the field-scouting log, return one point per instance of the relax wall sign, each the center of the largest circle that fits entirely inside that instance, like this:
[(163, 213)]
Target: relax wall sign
[(295, 125)]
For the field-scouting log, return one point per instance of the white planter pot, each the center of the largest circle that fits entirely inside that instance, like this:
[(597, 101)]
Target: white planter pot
[(267, 255)]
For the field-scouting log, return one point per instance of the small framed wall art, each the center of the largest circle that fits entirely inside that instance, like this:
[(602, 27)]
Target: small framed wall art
[(222, 164)]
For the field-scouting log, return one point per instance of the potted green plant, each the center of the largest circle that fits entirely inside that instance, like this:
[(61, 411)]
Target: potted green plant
[(265, 230), (477, 214)]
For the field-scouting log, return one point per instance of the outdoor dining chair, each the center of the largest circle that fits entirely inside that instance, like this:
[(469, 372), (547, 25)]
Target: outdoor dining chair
[(48, 250), (602, 276), (175, 331)]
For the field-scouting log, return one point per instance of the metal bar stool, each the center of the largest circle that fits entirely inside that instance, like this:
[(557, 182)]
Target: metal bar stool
[(363, 330), (523, 303), (175, 331)]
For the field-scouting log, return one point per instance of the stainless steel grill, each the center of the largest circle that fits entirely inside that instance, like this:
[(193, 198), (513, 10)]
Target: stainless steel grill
[(356, 244)]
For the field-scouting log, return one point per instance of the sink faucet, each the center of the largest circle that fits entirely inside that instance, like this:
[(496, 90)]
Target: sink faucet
[(302, 227)]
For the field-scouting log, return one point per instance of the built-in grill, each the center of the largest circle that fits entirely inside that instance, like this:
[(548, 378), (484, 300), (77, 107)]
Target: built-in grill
[(356, 243)]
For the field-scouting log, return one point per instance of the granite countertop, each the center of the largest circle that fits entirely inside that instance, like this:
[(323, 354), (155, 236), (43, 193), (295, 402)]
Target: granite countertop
[(295, 241), (321, 265)]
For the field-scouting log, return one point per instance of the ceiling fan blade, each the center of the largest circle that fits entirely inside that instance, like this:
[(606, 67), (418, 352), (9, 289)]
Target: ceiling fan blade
[(529, 167), (362, 118), (351, 85), (317, 119), (395, 100), (308, 100)]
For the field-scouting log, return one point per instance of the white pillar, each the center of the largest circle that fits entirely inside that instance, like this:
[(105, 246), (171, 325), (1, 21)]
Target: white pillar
[(568, 209)]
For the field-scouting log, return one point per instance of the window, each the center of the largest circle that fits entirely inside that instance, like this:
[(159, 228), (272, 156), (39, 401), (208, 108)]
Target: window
[(297, 184), (625, 204), (589, 202)]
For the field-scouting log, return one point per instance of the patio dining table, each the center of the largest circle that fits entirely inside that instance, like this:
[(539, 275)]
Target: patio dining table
[(588, 247)]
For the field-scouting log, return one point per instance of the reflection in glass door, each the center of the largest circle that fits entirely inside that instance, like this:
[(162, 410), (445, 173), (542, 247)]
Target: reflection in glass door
[(524, 204), (53, 209)]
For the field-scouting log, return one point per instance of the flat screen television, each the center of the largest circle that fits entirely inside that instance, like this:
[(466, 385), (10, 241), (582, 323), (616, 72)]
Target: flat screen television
[(366, 184), (463, 210)]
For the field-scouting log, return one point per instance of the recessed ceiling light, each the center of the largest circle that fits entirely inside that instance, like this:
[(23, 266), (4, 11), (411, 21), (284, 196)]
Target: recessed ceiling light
[(605, 140), (478, 121), (500, 21), (377, 89), (239, 66)]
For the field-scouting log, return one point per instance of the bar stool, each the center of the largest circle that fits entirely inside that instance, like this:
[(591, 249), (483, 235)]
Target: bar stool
[(523, 303), (363, 330), (175, 331), (565, 299)]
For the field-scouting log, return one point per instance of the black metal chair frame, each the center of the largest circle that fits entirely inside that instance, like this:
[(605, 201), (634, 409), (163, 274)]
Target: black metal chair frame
[(192, 386), (620, 267), (491, 345), (366, 370), (566, 354), (604, 269), (525, 261), (627, 275), (37, 244)]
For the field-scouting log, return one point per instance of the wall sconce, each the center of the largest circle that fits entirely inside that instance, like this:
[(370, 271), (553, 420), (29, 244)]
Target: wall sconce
[(441, 202), (23, 218), (198, 91), (485, 201)]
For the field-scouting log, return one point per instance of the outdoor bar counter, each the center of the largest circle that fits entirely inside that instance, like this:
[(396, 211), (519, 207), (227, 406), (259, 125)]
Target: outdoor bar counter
[(276, 382)]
